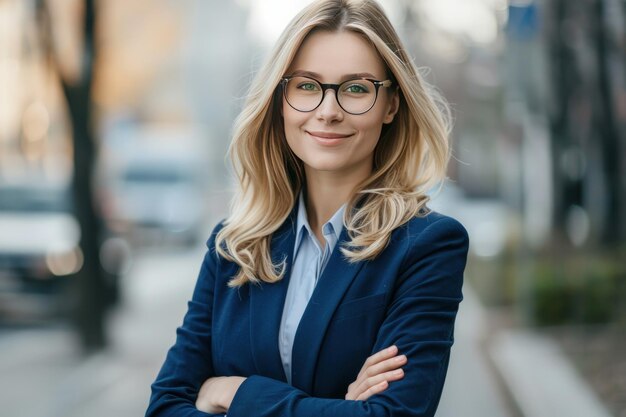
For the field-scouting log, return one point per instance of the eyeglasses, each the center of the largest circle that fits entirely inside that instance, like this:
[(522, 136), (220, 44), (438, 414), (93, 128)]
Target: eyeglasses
[(355, 96)]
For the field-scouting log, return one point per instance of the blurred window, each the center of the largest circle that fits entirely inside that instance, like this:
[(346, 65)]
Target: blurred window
[(157, 176), (30, 199)]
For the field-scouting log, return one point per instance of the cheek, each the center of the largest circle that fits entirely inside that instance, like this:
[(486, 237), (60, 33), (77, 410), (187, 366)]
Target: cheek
[(371, 129)]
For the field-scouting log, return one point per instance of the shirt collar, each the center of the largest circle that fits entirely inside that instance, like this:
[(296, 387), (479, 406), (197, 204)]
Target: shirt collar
[(331, 227)]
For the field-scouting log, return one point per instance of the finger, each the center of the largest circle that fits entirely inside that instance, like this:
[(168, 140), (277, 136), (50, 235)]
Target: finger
[(374, 381), (389, 352), (376, 389), (381, 367), (386, 365)]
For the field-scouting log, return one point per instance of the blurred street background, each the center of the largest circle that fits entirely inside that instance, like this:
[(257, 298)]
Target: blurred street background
[(115, 119)]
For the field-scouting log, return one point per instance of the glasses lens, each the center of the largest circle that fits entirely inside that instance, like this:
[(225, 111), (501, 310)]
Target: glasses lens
[(303, 94), (357, 96)]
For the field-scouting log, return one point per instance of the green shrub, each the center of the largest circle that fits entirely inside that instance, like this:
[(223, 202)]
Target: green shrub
[(575, 290)]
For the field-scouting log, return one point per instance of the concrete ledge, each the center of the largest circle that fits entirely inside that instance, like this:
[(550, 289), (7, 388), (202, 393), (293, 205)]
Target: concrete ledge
[(540, 379)]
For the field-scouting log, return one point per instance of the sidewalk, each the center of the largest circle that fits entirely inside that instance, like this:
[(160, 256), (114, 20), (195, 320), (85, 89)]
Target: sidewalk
[(43, 375), (537, 379), (540, 379), (472, 387)]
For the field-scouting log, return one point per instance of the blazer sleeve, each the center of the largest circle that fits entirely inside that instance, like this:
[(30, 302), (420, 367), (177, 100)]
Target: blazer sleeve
[(188, 362), (419, 320)]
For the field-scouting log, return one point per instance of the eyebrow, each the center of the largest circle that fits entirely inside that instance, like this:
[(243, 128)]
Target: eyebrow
[(343, 78)]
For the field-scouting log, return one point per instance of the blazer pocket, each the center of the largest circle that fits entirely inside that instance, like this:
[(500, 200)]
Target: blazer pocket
[(359, 306)]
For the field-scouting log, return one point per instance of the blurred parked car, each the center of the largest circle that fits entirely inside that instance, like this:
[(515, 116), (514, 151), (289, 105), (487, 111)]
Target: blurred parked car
[(38, 248)]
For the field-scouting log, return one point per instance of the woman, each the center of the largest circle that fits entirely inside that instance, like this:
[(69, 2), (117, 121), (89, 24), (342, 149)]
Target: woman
[(331, 289)]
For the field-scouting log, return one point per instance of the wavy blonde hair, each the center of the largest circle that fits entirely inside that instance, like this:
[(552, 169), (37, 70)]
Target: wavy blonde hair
[(409, 159)]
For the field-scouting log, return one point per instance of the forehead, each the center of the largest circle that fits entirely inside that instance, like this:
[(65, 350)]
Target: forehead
[(335, 54)]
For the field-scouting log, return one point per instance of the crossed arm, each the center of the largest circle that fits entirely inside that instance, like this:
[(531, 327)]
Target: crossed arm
[(217, 393)]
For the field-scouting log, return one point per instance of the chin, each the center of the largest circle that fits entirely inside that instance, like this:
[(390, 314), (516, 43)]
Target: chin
[(325, 167)]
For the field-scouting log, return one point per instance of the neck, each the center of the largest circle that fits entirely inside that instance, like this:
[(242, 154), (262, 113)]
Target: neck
[(327, 192)]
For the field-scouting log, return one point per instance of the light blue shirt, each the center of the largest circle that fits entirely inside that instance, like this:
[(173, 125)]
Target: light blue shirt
[(309, 261)]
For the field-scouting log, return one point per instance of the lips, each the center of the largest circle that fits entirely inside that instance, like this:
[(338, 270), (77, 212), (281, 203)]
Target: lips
[(327, 139), (328, 135)]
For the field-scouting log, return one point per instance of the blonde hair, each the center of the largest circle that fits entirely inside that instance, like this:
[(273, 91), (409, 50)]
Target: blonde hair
[(409, 159)]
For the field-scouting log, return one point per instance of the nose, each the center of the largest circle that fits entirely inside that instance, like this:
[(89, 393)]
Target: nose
[(329, 109)]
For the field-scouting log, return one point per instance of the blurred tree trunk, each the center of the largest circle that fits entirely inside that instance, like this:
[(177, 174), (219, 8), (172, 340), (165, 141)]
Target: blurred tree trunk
[(564, 79), (613, 229), (90, 290)]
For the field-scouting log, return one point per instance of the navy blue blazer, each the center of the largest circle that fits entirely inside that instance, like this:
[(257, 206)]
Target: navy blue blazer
[(407, 296)]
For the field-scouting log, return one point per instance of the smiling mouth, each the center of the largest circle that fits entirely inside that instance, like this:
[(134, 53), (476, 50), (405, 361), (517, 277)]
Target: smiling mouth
[(328, 135)]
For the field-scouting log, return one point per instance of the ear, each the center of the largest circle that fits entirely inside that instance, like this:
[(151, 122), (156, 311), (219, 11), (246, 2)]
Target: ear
[(392, 106)]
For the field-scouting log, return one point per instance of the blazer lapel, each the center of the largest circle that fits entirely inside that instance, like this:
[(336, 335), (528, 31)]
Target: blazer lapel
[(330, 288), (266, 306)]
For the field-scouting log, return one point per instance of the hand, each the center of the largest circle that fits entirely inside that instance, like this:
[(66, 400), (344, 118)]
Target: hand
[(376, 373), (217, 393)]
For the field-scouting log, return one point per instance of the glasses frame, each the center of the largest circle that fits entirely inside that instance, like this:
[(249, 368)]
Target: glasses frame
[(335, 87)]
